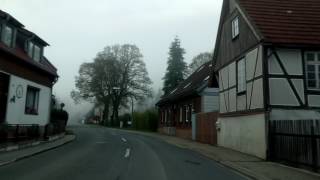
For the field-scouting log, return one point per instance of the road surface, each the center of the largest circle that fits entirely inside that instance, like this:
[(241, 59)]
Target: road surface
[(99, 153)]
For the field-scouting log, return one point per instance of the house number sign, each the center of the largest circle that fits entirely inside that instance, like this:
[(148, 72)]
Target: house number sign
[(19, 91)]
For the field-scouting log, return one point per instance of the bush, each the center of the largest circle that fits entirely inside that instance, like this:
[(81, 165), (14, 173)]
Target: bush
[(59, 120), (146, 121)]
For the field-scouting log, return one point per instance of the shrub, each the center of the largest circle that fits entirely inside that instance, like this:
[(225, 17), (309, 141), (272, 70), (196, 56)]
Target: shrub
[(146, 121)]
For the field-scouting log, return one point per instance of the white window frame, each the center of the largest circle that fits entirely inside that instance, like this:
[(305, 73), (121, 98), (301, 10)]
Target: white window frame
[(316, 64), (181, 114), (235, 27), (34, 110), (241, 76), (187, 111)]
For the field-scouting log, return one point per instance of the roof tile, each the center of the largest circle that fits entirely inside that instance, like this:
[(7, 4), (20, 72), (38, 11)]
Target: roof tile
[(286, 21)]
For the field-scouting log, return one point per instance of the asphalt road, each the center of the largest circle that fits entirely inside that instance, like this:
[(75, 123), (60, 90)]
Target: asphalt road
[(101, 153)]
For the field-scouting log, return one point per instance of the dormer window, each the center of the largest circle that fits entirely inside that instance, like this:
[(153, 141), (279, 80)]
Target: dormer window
[(235, 27), (34, 51), (7, 35)]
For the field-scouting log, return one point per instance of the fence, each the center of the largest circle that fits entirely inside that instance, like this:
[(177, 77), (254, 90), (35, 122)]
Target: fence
[(20, 132), (296, 142)]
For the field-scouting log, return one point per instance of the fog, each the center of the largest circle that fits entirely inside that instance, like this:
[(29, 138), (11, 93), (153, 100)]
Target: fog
[(77, 29)]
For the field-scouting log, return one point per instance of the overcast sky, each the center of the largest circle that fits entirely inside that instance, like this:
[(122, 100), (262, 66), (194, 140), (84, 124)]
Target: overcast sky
[(77, 29)]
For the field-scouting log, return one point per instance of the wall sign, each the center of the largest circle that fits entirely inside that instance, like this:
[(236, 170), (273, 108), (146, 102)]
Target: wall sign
[(19, 91)]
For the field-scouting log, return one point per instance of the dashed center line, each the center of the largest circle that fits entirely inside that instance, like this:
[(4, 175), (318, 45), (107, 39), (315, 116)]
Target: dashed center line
[(123, 139), (101, 142), (127, 154)]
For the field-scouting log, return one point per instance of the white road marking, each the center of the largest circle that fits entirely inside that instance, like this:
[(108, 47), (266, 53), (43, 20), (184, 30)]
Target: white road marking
[(123, 139), (101, 142), (127, 154)]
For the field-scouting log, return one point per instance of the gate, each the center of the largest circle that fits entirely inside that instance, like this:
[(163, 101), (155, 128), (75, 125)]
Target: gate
[(296, 142)]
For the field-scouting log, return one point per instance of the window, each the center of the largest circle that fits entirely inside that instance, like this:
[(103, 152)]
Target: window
[(37, 53), (7, 36), (32, 100), (165, 116), (235, 27), (181, 114), (34, 51), (187, 112), (313, 70), (241, 76)]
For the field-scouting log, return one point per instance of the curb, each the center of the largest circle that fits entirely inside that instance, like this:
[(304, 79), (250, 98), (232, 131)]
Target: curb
[(31, 144), (37, 152), (241, 170)]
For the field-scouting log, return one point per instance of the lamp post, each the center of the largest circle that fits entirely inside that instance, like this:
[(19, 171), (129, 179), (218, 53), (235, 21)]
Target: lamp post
[(131, 110)]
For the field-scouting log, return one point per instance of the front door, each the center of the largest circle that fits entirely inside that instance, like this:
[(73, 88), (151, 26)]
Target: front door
[(4, 86)]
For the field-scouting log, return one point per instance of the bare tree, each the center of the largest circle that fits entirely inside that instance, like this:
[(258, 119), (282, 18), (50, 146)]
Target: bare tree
[(199, 60)]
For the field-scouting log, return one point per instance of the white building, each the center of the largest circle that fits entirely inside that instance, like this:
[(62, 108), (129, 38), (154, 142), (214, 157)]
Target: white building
[(26, 76), (268, 62)]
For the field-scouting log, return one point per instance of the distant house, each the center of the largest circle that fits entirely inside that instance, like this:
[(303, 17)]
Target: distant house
[(268, 63), (197, 94), (26, 75)]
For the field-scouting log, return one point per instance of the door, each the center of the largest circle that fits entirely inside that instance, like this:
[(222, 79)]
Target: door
[(4, 86)]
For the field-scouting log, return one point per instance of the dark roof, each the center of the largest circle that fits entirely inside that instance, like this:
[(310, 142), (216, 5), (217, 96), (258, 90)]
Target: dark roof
[(21, 54), (285, 21), (190, 86)]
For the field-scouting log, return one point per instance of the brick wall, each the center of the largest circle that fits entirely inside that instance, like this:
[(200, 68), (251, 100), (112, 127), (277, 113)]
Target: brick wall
[(206, 129), (185, 133)]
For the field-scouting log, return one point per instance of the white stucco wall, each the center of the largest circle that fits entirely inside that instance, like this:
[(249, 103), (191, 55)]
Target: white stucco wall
[(253, 98), (16, 110), (210, 100), (286, 114), (246, 134)]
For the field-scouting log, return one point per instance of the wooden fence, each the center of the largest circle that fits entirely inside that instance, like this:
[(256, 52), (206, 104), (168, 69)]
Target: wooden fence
[(206, 128), (295, 142)]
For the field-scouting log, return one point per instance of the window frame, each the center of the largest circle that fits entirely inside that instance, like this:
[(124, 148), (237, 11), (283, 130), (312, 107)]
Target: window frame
[(187, 112), (31, 51), (241, 91), (316, 64), (3, 35), (235, 27), (35, 103)]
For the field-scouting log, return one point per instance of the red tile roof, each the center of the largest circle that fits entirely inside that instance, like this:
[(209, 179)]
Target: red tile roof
[(18, 52), (44, 64), (286, 21)]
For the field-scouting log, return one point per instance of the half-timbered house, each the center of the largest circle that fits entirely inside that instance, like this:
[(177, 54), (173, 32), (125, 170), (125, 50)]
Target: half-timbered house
[(26, 75), (268, 63), (197, 94)]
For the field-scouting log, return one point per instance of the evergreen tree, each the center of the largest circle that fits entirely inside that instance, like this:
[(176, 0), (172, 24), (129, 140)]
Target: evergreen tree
[(176, 67)]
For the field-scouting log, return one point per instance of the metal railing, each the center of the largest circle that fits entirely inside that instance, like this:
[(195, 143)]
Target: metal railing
[(18, 132)]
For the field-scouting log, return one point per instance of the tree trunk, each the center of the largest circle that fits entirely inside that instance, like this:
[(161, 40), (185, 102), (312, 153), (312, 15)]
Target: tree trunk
[(106, 113), (115, 113)]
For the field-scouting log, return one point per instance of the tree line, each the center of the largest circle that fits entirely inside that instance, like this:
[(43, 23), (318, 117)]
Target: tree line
[(118, 75)]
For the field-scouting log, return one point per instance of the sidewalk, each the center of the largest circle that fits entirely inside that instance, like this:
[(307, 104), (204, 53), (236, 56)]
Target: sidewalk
[(248, 165), (13, 156)]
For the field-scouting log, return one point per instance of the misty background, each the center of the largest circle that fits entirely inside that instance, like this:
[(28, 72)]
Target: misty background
[(78, 29)]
